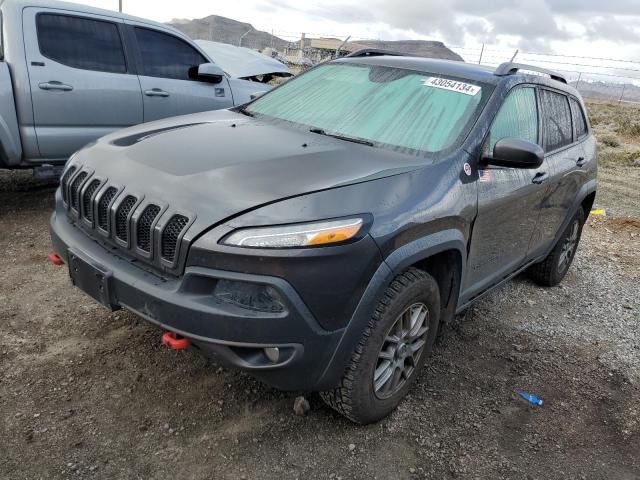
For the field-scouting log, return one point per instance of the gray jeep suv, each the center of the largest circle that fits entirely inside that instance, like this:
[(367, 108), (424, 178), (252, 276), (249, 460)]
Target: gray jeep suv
[(318, 236)]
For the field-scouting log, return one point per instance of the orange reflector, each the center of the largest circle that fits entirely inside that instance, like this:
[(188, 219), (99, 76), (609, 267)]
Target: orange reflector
[(333, 236)]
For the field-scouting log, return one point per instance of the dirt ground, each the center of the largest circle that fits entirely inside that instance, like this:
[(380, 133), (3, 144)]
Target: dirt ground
[(89, 393)]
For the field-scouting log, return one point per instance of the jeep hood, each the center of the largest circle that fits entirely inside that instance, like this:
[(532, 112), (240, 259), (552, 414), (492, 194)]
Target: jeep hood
[(218, 164)]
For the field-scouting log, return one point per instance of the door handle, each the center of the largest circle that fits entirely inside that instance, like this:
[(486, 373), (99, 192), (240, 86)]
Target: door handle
[(581, 162), (540, 177), (156, 92), (55, 85)]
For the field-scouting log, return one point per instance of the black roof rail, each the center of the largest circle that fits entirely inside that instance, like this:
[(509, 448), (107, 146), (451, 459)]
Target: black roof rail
[(509, 68), (375, 52)]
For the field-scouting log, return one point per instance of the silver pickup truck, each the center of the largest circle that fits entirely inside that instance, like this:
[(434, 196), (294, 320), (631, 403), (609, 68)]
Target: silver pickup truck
[(70, 74)]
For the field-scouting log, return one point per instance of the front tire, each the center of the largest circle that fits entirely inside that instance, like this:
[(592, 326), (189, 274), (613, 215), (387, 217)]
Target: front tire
[(555, 266), (392, 350)]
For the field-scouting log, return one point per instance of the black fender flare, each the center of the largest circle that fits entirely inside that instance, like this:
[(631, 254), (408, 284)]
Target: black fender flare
[(586, 190), (398, 261)]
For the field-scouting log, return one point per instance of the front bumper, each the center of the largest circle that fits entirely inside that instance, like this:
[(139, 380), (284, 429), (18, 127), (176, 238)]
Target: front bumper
[(233, 334)]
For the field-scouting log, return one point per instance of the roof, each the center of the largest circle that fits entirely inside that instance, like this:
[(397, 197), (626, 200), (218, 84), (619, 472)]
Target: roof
[(420, 64), (79, 8), (478, 73)]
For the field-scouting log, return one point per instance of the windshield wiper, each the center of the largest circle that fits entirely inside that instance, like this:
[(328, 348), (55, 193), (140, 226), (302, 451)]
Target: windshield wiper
[(320, 131), (244, 111)]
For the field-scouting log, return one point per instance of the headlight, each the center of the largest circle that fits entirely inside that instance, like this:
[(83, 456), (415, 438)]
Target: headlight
[(298, 235)]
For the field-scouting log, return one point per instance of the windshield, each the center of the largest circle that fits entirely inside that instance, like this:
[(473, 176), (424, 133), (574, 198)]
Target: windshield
[(401, 109)]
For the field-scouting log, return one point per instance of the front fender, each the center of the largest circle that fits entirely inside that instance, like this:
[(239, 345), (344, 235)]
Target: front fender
[(396, 262)]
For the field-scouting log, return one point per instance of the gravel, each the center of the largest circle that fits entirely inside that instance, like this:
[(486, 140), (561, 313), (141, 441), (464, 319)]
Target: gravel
[(86, 393)]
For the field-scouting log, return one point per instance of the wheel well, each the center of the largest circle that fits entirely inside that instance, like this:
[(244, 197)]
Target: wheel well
[(445, 267), (587, 203)]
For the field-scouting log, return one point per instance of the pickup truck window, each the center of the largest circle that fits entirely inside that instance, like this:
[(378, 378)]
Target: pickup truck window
[(558, 130), (166, 56), (517, 118), (394, 108), (81, 42)]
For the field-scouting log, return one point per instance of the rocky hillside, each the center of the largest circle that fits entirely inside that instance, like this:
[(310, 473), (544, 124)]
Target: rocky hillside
[(227, 30)]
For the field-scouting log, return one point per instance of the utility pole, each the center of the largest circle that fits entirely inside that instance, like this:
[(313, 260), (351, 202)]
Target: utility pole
[(624, 87), (120, 6), (302, 45), (481, 52), (342, 45), (578, 82), (243, 35)]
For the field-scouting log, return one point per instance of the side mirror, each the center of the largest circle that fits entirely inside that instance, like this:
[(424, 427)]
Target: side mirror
[(210, 72), (516, 153)]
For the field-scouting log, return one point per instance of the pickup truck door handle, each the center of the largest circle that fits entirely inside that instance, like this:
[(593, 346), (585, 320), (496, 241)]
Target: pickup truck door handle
[(55, 85), (156, 92), (540, 177), (580, 162)]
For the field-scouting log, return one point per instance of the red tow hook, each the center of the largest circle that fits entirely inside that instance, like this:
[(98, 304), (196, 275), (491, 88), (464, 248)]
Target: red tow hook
[(55, 259), (175, 341)]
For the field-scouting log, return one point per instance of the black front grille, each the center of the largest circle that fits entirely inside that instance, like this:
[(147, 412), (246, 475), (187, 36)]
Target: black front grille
[(87, 197), (124, 221), (171, 235), (122, 217), (64, 183), (103, 208), (74, 191), (143, 229)]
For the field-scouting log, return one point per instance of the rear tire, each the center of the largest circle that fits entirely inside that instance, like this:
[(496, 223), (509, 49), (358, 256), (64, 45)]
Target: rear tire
[(553, 269), (392, 350)]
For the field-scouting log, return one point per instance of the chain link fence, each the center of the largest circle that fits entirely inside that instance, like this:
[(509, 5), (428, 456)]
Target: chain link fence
[(595, 77)]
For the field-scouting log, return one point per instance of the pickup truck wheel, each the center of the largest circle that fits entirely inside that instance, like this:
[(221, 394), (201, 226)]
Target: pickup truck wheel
[(552, 269), (392, 350)]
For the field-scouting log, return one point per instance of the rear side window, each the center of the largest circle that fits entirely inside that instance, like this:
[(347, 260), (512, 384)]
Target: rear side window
[(579, 119), (558, 131), (81, 42), (166, 56), (517, 118)]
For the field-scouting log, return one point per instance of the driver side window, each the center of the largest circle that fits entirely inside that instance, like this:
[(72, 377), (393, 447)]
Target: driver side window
[(166, 56), (517, 118)]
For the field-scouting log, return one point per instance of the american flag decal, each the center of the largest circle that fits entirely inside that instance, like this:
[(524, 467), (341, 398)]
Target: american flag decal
[(485, 175)]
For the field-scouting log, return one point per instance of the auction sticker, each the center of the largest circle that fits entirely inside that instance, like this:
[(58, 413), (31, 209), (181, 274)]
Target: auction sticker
[(452, 85)]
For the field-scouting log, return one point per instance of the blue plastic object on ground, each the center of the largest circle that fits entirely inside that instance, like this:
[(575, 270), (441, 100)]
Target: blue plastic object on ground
[(531, 399)]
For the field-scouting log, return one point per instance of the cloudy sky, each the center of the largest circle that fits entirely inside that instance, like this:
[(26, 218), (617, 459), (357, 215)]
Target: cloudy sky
[(598, 28)]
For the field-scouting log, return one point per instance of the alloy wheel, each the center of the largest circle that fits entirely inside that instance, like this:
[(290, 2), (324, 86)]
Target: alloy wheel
[(569, 247), (401, 350)]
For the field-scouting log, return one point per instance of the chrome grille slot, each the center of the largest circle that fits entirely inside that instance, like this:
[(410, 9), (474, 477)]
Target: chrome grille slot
[(122, 217), (171, 235), (87, 197), (103, 208), (74, 190), (144, 232)]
